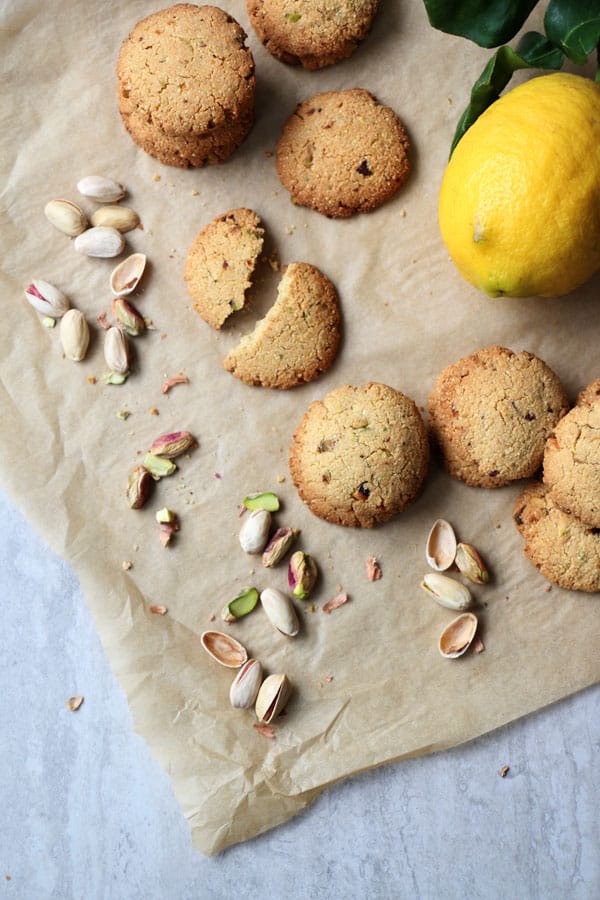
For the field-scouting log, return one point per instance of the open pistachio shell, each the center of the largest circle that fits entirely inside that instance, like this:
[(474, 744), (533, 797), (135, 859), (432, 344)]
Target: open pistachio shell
[(441, 546), (126, 276), (272, 697), (225, 649), (456, 638)]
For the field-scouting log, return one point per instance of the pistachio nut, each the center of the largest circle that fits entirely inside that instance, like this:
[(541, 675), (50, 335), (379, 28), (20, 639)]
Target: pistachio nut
[(127, 316), (47, 299), (174, 444), (126, 276), (278, 546), (99, 188), (262, 501), (115, 378), (245, 685), (471, 565), (441, 546), (74, 335), (138, 487), (100, 241), (302, 574), (456, 638), (66, 216), (240, 606), (273, 695), (120, 217), (165, 516), (159, 467), (447, 591), (254, 533), (116, 350), (280, 611), (225, 649)]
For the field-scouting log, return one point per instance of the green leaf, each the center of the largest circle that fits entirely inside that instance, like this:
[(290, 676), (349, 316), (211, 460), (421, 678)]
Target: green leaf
[(488, 24), (574, 25), (262, 501), (533, 51)]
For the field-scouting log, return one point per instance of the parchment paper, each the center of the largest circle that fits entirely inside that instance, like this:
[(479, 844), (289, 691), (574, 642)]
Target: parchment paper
[(407, 314)]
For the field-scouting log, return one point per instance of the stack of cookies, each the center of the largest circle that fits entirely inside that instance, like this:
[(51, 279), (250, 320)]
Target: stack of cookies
[(186, 85), (560, 519)]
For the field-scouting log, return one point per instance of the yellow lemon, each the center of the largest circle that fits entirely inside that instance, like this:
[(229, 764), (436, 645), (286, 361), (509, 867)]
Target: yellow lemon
[(520, 200)]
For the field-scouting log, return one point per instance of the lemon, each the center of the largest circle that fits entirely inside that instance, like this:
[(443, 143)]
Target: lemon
[(520, 199)]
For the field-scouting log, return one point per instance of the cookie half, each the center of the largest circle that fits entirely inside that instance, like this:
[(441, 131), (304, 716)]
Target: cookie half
[(220, 263), (360, 455), (572, 460), (564, 549), (311, 33), (342, 153), (297, 339), (491, 414)]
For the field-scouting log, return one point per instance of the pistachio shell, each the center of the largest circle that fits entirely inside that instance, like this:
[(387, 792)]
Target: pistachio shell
[(456, 638), (74, 335), (272, 697), (280, 611), (66, 216), (100, 241), (245, 685), (447, 591), (441, 546), (254, 533), (116, 350), (47, 299), (120, 217), (126, 276), (100, 188), (225, 649)]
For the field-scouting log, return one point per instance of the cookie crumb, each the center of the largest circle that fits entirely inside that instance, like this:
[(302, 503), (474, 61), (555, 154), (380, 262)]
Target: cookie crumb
[(548, 588), (154, 411), (403, 213), (195, 193), (280, 479), (504, 771), (156, 178), (268, 154), (73, 703), (329, 678), (126, 565), (91, 379)]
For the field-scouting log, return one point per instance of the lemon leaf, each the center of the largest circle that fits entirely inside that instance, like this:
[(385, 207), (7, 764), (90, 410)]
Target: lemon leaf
[(488, 24), (574, 25)]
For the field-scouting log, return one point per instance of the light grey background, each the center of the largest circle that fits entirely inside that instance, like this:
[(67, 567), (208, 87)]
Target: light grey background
[(88, 814)]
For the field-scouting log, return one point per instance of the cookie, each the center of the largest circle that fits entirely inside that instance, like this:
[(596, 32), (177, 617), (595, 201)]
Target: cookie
[(313, 33), (572, 460), (220, 264), (360, 455), (564, 549), (342, 153), (491, 414), (590, 394), (297, 339)]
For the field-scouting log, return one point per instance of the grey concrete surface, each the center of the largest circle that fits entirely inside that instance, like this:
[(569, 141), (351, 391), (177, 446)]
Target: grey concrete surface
[(88, 814)]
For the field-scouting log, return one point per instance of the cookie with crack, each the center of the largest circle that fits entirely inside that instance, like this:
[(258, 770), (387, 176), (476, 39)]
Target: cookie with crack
[(491, 414), (311, 33), (220, 263), (564, 549), (342, 153), (299, 336), (360, 455), (572, 460)]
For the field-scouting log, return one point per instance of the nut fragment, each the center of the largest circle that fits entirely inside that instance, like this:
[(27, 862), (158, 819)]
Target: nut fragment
[(302, 574), (116, 351), (254, 533), (158, 467), (262, 501), (99, 188), (471, 565), (126, 276), (245, 685), (120, 217), (158, 609), (456, 637), (280, 611), (446, 591), (441, 546), (47, 299), (66, 216), (224, 649), (240, 606), (100, 241), (272, 697), (373, 569), (138, 487), (127, 315), (73, 703), (174, 444), (278, 546), (335, 602), (74, 335)]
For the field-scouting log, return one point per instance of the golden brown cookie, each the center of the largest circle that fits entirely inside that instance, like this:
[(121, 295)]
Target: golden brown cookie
[(297, 339), (565, 550), (360, 455), (220, 263), (491, 414), (590, 394), (342, 153), (187, 70), (572, 461), (311, 33)]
